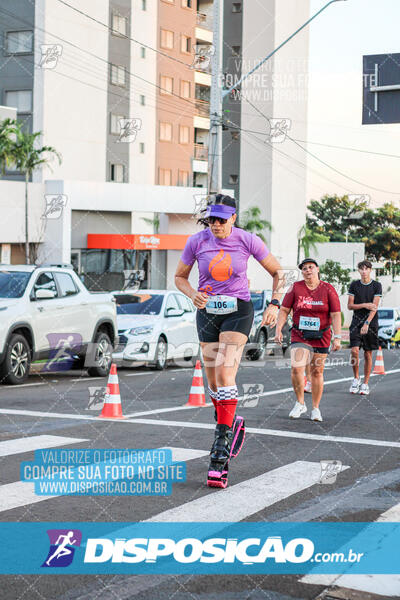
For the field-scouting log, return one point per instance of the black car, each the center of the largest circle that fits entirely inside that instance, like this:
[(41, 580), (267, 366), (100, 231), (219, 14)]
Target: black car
[(262, 338)]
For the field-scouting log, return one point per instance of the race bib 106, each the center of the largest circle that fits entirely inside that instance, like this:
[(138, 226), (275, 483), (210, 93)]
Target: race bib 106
[(221, 305)]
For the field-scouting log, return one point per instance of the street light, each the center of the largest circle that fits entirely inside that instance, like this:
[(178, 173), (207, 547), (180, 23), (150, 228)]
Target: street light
[(226, 92)]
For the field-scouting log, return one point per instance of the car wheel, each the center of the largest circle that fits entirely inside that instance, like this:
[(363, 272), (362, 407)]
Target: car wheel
[(17, 361), (102, 356), (262, 340), (161, 354)]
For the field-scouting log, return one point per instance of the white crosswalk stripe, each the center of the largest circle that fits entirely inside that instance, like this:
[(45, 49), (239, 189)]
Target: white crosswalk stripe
[(36, 442), (21, 493), (383, 585)]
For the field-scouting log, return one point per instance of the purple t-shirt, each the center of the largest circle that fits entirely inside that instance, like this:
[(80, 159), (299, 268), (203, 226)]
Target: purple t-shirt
[(223, 263)]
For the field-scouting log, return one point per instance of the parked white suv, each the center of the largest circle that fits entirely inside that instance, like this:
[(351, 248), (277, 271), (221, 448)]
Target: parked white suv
[(46, 310)]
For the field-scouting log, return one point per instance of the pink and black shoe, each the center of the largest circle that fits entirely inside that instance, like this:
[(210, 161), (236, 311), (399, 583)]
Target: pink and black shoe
[(227, 444)]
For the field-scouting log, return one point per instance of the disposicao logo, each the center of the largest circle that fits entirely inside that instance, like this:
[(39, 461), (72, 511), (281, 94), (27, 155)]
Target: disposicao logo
[(190, 550), (62, 547)]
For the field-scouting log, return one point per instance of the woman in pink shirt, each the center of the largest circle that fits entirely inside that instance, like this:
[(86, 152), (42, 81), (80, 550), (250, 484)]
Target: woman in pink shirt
[(225, 315)]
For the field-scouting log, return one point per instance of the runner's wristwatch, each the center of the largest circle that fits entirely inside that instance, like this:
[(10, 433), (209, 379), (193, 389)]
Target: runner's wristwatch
[(275, 303)]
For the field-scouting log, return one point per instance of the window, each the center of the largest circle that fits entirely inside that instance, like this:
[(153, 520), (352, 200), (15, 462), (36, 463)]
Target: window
[(118, 75), (233, 179), (144, 5), (19, 99), (185, 303), (237, 7), (142, 100), (165, 132), (141, 148), (184, 134), (45, 281), (167, 39), (171, 303), (119, 25), (142, 52), (185, 89), (187, 3), (19, 42), (165, 177), (117, 173), (183, 178), (66, 284), (166, 85), (186, 44), (114, 124), (236, 50)]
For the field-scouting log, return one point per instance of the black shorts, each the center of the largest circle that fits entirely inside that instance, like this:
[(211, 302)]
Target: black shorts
[(309, 347), (209, 326), (369, 341)]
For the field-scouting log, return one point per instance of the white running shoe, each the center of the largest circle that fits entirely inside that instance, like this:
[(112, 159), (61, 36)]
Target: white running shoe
[(307, 387), (297, 410), (364, 389), (355, 386), (316, 415)]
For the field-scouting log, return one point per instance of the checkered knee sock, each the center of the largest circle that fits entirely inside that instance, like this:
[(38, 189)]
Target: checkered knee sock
[(214, 397), (226, 405)]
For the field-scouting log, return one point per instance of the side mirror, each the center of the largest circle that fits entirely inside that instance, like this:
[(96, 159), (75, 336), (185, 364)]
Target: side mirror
[(174, 312), (44, 294)]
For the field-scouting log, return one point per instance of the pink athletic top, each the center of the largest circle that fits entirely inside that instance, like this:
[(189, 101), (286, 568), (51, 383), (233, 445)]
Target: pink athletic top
[(223, 263)]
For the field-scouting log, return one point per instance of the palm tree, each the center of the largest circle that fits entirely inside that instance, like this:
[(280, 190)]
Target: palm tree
[(7, 130), (155, 222), (27, 157), (251, 221), (307, 240)]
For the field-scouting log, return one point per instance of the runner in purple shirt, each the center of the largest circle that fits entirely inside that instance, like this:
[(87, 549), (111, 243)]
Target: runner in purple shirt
[(225, 315)]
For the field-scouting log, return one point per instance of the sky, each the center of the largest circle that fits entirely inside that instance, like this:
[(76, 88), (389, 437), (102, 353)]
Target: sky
[(339, 38)]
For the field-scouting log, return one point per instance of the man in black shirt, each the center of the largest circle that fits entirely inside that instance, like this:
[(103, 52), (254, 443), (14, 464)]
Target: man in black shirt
[(364, 297)]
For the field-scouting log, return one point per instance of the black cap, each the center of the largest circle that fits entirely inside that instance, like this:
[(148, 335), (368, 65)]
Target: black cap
[(307, 260)]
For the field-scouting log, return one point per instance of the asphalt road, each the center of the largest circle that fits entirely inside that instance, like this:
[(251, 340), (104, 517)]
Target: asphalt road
[(363, 432)]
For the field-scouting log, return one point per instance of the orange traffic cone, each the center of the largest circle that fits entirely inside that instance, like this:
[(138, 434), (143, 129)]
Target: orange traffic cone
[(379, 368), (112, 408), (197, 396)]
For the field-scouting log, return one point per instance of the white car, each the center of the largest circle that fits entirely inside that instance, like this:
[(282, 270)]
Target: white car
[(46, 312), (155, 326), (388, 324)]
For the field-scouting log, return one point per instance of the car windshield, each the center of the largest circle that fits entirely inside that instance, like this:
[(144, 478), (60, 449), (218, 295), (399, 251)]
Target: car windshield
[(13, 283), (386, 313), (138, 304)]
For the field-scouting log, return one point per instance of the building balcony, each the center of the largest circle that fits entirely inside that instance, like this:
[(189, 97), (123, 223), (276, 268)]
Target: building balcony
[(204, 28), (200, 152), (202, 107), (201, 122), (202, 78), (205, 21)]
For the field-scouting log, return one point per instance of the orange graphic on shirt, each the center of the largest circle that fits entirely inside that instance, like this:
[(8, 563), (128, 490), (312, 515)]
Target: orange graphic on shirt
[(220, 267)]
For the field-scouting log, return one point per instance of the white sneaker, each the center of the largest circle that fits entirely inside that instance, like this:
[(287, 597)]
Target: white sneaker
[(355, 386), (297, 410), (307, 387), (364, 389), (316, 415)]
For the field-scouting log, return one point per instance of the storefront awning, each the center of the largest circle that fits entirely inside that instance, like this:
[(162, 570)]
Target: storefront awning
[(136, 241)]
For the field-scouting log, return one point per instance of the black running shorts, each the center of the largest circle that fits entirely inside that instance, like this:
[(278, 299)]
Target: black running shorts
[(209, 326), (369, 341)]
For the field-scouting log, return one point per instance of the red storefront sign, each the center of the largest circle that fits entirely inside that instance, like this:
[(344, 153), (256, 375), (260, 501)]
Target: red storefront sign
[(136, 241)]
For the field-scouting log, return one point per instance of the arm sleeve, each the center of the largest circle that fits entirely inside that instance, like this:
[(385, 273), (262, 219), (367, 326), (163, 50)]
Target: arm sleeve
[(288, 300), (257, 248), (188, 255), (351, 291), (333, 298), (378, 289)]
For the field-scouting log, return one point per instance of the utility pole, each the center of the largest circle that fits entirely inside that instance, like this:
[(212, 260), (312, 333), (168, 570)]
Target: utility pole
[(215, 137)]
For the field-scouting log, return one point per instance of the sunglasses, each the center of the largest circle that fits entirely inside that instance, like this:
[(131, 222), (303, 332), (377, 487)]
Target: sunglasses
[(213, 220)]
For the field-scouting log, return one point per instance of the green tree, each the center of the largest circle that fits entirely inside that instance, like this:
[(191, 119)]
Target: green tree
[(252, 222), (336, 217), (27, 156), (7, 135), (155, 222), (332, 271), (307, 239), (380, 231)]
